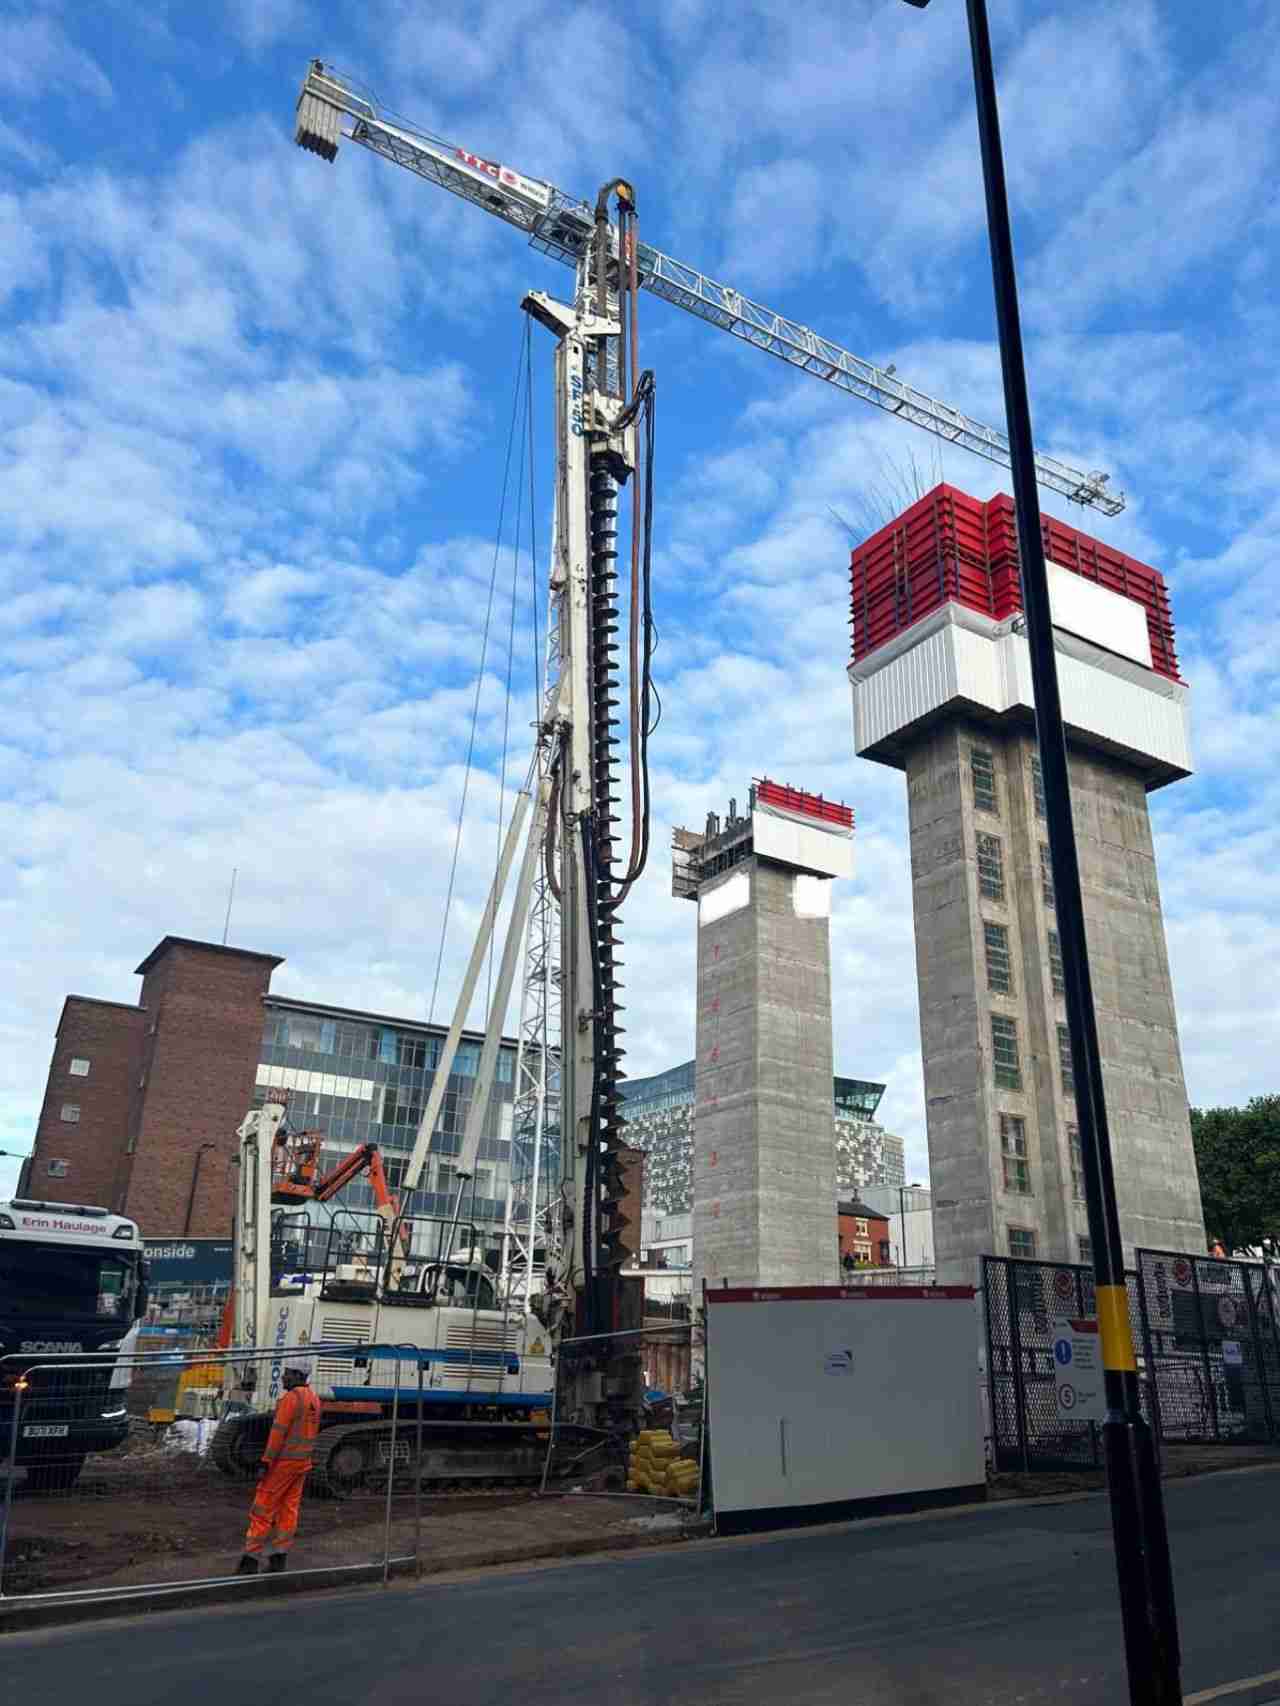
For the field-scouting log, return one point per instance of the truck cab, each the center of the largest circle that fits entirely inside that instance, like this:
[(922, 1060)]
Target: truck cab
[(72, 1289)]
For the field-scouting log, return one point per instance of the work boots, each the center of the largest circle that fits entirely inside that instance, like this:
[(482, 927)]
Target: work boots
[(248, 1565), (275, 1563)]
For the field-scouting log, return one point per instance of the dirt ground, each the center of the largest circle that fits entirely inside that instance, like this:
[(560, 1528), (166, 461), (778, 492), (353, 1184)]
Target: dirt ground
[(172, 1517), (145, 1516)]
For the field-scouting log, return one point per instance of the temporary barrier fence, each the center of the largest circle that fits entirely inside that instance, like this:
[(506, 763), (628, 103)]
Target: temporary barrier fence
[(1213, 1343), (1026, 1306), (1206, 1333), (98, 1497)]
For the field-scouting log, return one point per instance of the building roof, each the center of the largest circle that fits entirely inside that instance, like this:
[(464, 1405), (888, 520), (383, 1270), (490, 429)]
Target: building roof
[(860, 1209), (167, 943), (97, 1001), (329, 1011)]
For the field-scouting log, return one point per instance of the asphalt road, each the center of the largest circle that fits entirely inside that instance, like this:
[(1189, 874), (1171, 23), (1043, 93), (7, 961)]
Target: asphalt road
[(1009, 1604)]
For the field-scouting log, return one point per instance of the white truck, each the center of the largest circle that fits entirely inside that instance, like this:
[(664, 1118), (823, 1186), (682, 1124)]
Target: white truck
[(72, 1289)]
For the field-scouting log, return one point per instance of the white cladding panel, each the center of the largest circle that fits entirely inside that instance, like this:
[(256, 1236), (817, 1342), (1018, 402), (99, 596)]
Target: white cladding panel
[(1096, 613), (817, 1401), (789, 841), (956, 658), (728, 896)]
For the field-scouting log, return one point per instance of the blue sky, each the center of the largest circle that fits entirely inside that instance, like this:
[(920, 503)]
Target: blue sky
[(253, 413)]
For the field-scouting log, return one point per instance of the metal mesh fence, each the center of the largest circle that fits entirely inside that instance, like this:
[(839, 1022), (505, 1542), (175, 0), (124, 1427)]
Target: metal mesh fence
[(1213, 1345), (1026, 1303), (1207, 1336), (98, 1496)]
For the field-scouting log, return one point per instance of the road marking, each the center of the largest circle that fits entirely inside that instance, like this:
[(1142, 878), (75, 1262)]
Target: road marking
[(1225, 1688)]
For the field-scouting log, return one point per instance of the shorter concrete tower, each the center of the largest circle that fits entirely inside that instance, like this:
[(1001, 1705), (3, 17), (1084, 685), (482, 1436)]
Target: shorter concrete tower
[(764, 1149)]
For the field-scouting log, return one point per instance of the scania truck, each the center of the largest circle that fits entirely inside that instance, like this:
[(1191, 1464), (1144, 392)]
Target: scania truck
[(72, 1288)]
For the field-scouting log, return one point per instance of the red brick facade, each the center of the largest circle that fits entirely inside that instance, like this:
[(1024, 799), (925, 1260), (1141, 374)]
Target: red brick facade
[(169, 1081), (75, 1159), (864, 1235)]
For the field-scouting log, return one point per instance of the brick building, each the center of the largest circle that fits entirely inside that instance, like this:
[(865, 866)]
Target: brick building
[(864, 1235), (142, 1102)]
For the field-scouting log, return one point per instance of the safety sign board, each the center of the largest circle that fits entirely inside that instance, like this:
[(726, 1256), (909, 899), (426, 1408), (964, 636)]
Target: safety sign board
[(1077, 1372), (1232, 1355)]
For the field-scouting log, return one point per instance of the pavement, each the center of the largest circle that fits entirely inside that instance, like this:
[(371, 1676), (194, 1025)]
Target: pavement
[(987, 1607)]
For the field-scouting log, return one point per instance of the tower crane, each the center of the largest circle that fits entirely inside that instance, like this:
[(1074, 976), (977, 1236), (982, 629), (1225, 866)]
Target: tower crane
[(561, 226), (572, 878)]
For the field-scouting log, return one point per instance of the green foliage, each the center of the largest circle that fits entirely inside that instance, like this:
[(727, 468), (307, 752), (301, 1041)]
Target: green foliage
[(1238, 1154)]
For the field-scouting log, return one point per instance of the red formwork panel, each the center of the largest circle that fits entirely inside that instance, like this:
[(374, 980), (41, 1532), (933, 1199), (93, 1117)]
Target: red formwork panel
[(949, 546), (808, 805)]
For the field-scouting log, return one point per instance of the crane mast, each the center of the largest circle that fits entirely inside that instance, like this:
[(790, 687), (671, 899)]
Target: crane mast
[(561, 226), (571, 856)]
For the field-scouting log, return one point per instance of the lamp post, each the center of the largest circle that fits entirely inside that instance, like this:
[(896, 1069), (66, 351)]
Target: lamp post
[(195, 1180), (1137, 1507), (903, 1189)]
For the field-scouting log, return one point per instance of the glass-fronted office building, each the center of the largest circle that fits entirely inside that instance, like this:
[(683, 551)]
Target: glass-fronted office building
[(364, 1078), (660, 1120)]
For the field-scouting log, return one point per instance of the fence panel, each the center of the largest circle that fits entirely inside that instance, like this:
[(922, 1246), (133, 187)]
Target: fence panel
[(1214, 1346), (104, 1498), (1024, 1302)]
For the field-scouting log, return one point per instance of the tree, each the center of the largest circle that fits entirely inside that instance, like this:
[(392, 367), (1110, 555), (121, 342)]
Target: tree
[(1238, 1154)]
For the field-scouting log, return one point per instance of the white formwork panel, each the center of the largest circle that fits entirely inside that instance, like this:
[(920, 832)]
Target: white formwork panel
[(830, 1403)]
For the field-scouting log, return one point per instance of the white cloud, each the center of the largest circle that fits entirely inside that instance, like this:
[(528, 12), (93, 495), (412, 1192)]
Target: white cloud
[(37, 58)]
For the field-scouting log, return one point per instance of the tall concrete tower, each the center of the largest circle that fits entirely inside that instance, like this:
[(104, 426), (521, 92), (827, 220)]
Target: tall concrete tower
[(942, 690), (764, 1146)]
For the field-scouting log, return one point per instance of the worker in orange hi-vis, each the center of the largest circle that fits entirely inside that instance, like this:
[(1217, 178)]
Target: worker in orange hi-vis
[(273, 1521)]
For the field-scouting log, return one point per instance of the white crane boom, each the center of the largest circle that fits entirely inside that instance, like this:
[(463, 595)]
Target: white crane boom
[(561, 226)]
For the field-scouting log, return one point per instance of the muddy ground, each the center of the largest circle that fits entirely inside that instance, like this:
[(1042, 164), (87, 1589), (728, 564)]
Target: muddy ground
[(169, 1517)]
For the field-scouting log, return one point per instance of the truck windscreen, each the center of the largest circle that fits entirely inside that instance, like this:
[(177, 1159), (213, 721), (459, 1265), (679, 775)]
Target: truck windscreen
[(45, 1280)]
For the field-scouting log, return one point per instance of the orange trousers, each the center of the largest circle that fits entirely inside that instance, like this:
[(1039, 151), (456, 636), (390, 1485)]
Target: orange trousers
[(273, 1520)]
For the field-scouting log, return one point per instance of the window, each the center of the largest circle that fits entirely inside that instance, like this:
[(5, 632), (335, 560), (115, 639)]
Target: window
[(990, 867), (1086, 1250), (70, 1113), (1077, 1162), (42, 1281), (467, 1059), (79, 1068), (1055, 963), (1022, 1242), (58, 1169), (1037, 784), (506, 1065), (307, 1032), (1064, 1061), (999, 977), (983, 770), (1004, 1052), (1013, 1154), (1046, 875), (860, 1228)]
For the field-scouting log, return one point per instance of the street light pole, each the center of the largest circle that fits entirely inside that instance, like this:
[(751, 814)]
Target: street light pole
[(902, 1216), (1137, 1508)]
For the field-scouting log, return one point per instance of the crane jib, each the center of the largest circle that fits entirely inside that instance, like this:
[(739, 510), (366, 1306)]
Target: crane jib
[(560, 226)]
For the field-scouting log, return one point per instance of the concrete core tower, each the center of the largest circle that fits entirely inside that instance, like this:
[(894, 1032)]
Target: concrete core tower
[(764, 1155), (942, 690)]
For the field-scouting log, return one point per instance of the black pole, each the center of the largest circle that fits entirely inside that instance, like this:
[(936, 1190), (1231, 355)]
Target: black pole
[(195, 1180), (1137, 1510)]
